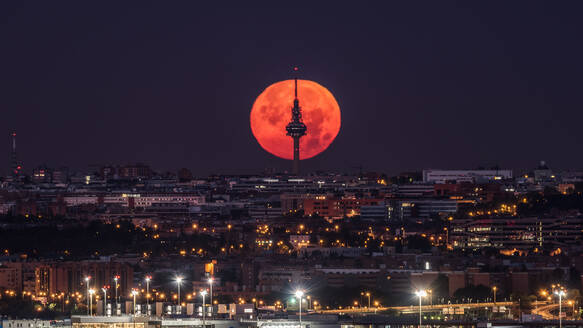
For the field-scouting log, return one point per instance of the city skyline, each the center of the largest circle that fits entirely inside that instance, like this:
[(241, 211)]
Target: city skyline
[(291, 165), (173, 85)]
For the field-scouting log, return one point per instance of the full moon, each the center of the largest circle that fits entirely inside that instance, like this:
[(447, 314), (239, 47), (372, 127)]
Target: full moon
[(271, 113)]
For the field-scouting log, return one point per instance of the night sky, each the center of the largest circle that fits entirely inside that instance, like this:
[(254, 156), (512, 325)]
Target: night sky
[(436, 84)]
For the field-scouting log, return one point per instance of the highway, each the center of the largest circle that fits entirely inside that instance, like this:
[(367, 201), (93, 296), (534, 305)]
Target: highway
[(415, 308), (545, 311)]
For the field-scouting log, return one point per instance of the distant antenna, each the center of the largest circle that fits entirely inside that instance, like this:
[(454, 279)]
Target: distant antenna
[(14, 159), (296, 128), (296, 69)]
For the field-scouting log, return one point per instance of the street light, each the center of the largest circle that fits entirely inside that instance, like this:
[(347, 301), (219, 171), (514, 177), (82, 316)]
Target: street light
[(104, 300), (494, 289), (211, 280), (116, 278), (178, 282), (203, 293), (299, 295), (134, 293), (91, 292), (368, 295), (543, 293), (420, 294), (561, 293), (87, 284), (148, 279)]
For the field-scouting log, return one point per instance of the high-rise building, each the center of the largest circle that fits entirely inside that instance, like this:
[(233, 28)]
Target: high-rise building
[(296, 128)]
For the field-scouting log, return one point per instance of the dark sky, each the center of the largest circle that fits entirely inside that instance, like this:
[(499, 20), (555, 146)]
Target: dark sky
[(435, 84)]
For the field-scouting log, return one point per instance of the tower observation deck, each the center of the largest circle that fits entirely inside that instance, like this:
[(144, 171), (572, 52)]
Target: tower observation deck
[(296, 128)]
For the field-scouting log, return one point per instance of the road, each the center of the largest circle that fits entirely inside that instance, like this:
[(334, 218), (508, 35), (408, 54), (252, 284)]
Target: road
[(545, 311), (415, 308)]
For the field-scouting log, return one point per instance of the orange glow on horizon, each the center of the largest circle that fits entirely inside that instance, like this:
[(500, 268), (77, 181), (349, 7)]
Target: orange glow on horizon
[(271, 113)]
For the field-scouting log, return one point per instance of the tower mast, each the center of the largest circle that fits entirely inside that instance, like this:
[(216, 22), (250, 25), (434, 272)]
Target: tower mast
[(14, 160), (296, 128)]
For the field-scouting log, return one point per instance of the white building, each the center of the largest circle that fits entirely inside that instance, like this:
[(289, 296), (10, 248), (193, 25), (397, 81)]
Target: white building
[(76, 200), (170, 198), (135, 199), (31, 323), (443, 176)]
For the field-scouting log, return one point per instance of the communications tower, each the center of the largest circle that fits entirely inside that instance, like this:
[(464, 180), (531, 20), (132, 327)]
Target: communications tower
[(296, 128), (14, 160)]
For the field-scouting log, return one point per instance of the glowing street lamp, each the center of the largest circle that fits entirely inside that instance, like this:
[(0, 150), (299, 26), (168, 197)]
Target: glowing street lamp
[(561, 293), (299, 295), (420, 294), (134, 293), (148, 279), (87, 279), (203, 294), (91, 292), (210, 281), (115, 279), (178, 282), (494, 289), (104, 289)]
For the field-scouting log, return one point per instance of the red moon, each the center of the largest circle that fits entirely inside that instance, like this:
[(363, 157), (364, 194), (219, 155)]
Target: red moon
[(271, 113)]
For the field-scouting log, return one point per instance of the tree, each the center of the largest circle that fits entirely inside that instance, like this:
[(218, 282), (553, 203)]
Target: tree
[(574, 278), (418, 242), (440, 286)]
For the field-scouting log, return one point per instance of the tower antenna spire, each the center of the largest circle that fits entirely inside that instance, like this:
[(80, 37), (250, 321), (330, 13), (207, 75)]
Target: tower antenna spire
[(296, 128), (296, 69), (14, 159)]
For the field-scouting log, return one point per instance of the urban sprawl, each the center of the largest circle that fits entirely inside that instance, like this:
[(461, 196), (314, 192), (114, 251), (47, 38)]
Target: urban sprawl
[(126, 247)]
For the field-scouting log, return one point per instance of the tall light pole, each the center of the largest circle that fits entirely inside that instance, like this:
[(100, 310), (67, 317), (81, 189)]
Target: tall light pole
[(420, 294), (134, 293), (299, 295), (87, 284), (104, 289), (148, 279), (211, 280), (561, 293), (115, 279), (91, 292), (494, 289), (368, 295), (178, 282), (203, 293)]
